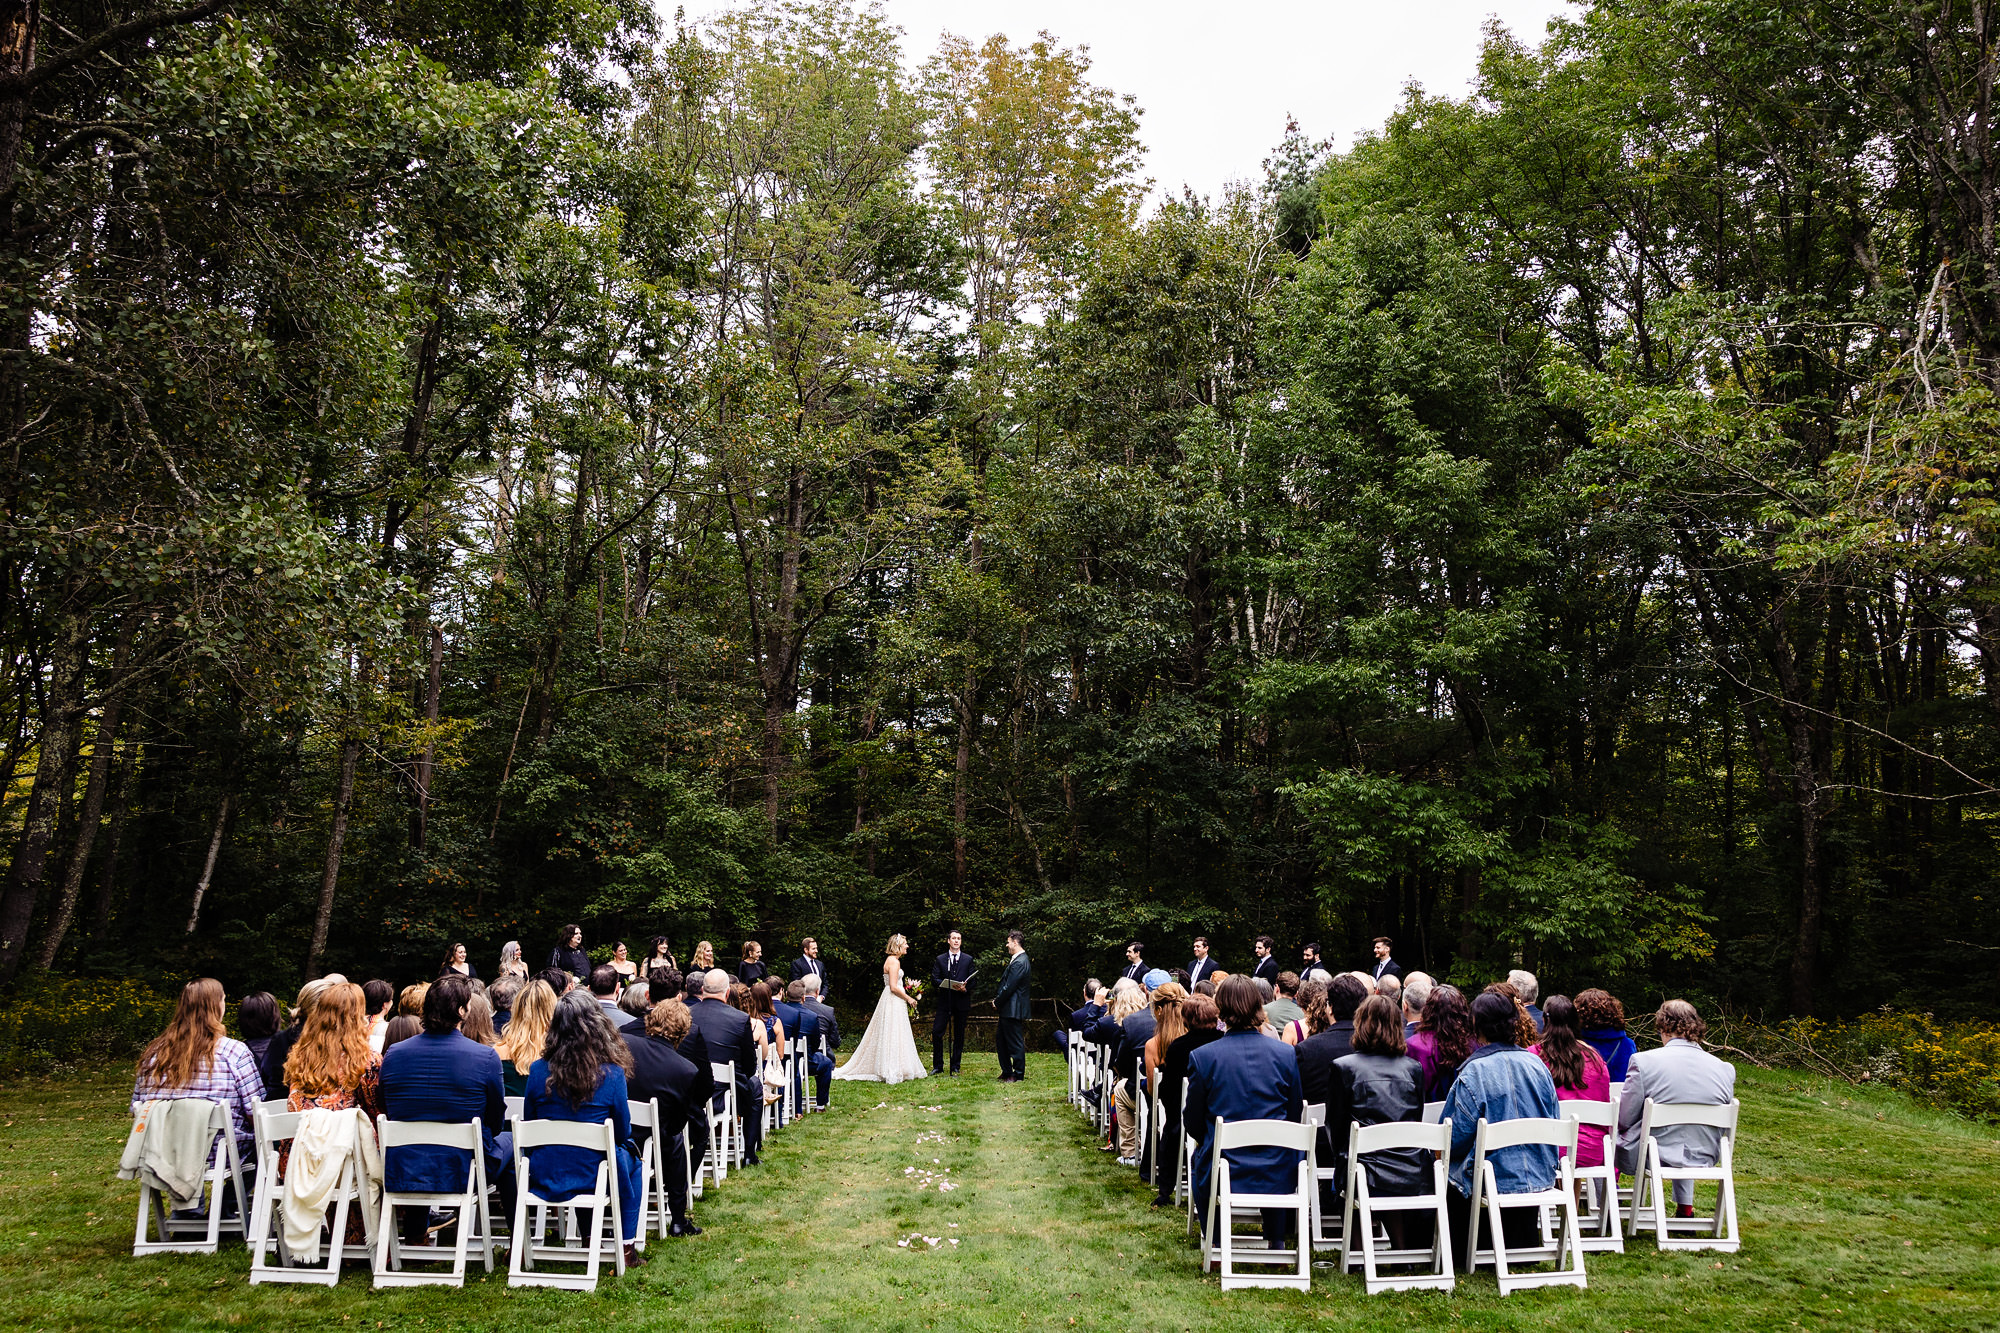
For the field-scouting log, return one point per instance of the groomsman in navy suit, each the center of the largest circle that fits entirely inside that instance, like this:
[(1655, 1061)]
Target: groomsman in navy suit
[(1203, 967), (808, 963), (1267, 966), (1135, 960)]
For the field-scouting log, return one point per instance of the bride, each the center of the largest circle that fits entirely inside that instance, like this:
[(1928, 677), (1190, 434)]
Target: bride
[(888, 1050)]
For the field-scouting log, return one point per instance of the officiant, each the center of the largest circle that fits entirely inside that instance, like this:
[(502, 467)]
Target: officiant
[(951, 977)]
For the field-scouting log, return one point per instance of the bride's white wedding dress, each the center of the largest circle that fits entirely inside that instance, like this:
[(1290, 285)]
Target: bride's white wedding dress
[(888, 1050)]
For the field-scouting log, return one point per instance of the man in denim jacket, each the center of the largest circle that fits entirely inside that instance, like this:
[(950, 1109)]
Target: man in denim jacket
[(1499, 1081)]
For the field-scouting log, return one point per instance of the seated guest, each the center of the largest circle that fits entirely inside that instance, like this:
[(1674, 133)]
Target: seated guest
[(633, 1003), (379, 999), (1243, 1076), (693, 1047), (400, 1028), (560, 981), (1285, 1008), (411, 1001), (196, 1057), (661, 1073), (1499, 1081), (726, 1031), (1316, 1017), (1416, 994), (1390, 987), (1163, 1004), (1602, 1019), (502, 994), (581, 1077), (440, 1076), (829, 1022), (1317, 1052), (1131, 1025), (478, 1022), (331, 1068), (1527, 1027), (521, 1044), (272, 1066), (1679, 1072), (1199, 1021), (604, 989), (767, 1030), (257, 1021), (1267, 991), (691, 987), (1080, 1019), (1378, 1084), (1369, 985), (813, 1028), (1579, 1072), (1526, 989), (1444, 1038)]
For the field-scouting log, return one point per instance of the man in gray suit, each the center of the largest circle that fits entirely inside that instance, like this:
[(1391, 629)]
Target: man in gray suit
[(1680, 1072)]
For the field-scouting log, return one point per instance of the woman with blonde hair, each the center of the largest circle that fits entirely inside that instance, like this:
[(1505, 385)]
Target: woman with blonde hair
[(196, 1057), (704, 957), (1169, 1023), (887, 1052), (511, 963), (527, 1031), (478, 1021)]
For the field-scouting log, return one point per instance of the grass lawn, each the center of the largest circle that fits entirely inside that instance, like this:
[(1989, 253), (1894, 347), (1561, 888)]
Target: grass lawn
[(1859, 1212)]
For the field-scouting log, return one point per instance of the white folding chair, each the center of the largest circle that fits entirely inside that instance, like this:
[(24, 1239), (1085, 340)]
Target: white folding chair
[(724, 1143), (1358, 1216), (1142, 1111), (1183, 1150), (1434, 1113), (516, 1108), (799, 1086), (1652, 1200), (605, 1229), (473, 1224), (1602, 1233), (1219, 1241), (202, 1233), (267, 1215), (1487, 1201), (1322, 1237), (652, 1170)]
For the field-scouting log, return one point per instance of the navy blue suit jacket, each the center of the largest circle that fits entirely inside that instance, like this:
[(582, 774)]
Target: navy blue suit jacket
[(726, 1029), (1243, 1076), (445, 1080)]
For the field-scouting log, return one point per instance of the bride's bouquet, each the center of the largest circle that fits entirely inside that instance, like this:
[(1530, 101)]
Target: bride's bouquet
[(915, 990)]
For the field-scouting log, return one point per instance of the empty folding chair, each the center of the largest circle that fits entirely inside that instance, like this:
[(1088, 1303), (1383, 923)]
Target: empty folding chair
[(652, 1169), (198, 1230), (474, 1227), (282, 1261), (1226, 1208), (1652, 1200), (587, 1245), (1326, 1228), (1358, 1217), (1602, 1233), (1566, 1250)]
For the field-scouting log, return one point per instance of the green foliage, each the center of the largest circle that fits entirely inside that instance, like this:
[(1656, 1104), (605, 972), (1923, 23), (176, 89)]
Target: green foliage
[(65, 1022)]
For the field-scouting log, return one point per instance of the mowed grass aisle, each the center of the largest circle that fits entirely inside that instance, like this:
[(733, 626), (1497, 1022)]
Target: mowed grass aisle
[(1860, 1212)]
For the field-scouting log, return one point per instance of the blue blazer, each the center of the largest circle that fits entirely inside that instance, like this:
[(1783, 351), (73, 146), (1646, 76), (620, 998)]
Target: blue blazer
[(800, 1022), (1243, 1076), (446, 1080), (559, 1172)]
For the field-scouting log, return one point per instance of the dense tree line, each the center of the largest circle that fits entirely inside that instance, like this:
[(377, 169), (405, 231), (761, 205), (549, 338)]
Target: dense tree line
[(470, 467)]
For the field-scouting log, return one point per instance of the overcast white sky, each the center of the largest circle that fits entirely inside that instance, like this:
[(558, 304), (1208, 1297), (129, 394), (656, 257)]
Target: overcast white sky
[(1216, 80)]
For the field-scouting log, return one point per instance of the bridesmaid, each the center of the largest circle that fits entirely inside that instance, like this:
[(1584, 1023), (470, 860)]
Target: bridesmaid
[(659, 954), (752, 970), (622, 964), (511, 962), (704, 957), (455, 961)]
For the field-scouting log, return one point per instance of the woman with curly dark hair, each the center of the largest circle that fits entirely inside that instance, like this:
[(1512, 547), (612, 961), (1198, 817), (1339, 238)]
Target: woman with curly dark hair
[(1602, 1019), (581, 1077), (1443, 1039)]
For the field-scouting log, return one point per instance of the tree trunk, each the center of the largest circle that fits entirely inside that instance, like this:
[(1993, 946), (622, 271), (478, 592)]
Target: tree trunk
[(427, 763), (1811, 798), (208, 864), (961, 767), (57, 746), (107, 885), (350, 756), (93, 807)]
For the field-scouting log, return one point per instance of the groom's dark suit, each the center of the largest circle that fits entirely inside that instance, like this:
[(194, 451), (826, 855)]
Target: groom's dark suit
[(953, 1007), (1011, 1002)]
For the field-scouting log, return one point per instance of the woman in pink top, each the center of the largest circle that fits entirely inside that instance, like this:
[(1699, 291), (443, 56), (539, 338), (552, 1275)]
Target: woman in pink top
[(1580, 1072)]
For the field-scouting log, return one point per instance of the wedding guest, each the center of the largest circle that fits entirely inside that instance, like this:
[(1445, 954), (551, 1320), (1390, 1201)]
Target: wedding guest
[(1135, 1030), (633, 1002), (1128, 997), (1315, 1015), (752, 970), (521, 1044), (1390, 987), (582, 1077), (1603, 1021), (478, 1021), (1526, 989), (379, 999), (457, 963), (1169, 1024), (1416, 994), (1680, 1072), (272, 1066), (1499, 1081), (661, 1074), (1079, 1020), (441, 1076), (1579, 1072), (511, 962), (604, 990), (560, 981), (1444, 1039), (1378, 1084), (659, 954), (1527, 1028), (1199, 1023), (502, 994), (829, 1022), (196, 1057), (257, 1021), (801, 1024), (1284, 1008), (568, 954), (1243, 1077), (769, 1033), (400, 1028), (726, 1032), (1317, 1052), (411, 1000), (331, 1068)]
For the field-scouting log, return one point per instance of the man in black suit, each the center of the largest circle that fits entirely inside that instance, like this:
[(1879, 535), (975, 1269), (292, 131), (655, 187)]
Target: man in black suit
[(1203, 967), (1385, 966), (1267, 966), (807, 964), (661, 1074), (954, 1002), (1135, 962), (726, 1029), (1308, 959)]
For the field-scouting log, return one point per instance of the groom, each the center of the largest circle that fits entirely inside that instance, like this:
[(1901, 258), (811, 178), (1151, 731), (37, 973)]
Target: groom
[(1011, 1002), (953, 968)]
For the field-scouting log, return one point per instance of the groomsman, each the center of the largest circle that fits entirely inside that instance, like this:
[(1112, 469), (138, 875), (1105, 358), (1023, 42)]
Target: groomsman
[(1203, 967), (1308, 959), (1011, 1002), (1135, 961), (954, 1002), (1385, 966), (1267, 966), (808, 963)]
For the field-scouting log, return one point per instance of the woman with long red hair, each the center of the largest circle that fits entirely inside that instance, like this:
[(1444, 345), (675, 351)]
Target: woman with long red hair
[(333, 1068)]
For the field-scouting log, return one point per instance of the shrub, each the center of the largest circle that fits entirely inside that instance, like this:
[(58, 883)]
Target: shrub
[(1955, 1066), (66, 1020)]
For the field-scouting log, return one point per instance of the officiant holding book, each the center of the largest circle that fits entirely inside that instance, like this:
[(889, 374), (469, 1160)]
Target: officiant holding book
[(951, 980)]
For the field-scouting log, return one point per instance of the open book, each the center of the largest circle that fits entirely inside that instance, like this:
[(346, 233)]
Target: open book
[(966, 984)]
